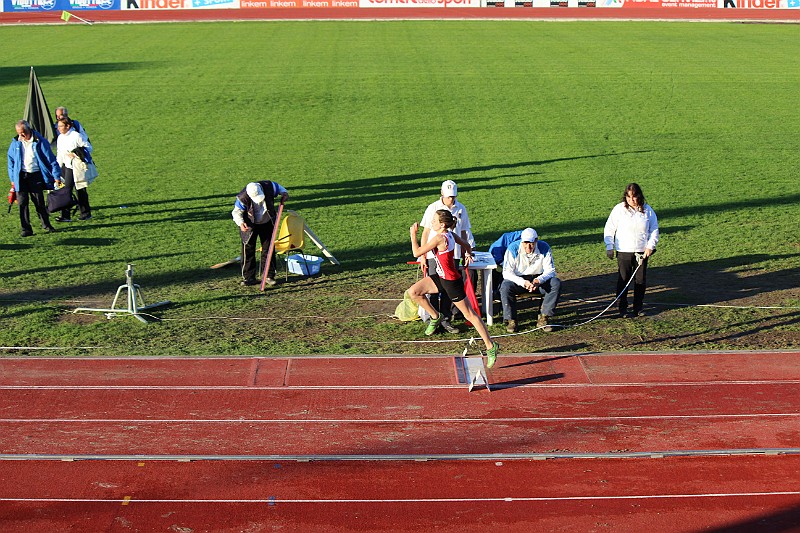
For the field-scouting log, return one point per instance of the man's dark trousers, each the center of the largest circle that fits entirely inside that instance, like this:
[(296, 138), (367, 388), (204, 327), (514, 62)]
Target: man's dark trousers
[(31, 185), (263, 233)]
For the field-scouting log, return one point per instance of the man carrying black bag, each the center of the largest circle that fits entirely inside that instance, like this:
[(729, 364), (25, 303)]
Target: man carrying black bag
[(32, 168)]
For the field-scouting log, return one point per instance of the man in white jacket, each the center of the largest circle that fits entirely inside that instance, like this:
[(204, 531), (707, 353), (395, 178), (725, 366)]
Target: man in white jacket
[(631, 230), (528, 267)]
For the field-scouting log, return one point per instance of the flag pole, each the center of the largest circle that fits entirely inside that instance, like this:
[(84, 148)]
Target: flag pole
[(66, 15)]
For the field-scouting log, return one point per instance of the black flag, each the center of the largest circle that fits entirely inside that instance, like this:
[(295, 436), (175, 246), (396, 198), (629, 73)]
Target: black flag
[(36, 111)]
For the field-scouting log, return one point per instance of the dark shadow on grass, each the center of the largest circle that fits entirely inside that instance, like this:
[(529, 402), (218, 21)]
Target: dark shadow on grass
[(711, 282), (420, 184), (575, 233), (178, 216), (361, 185), (49, 269), (21, 312), (21, 74), (693, 283), (591, 237), (392, 191), (687, 285), (229, 198), (77, 241), (15, 246), (591, 229), (150, 284), (712, 335)]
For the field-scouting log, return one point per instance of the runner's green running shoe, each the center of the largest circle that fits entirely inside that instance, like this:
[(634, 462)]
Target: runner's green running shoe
[(433, 325), (491, 354)]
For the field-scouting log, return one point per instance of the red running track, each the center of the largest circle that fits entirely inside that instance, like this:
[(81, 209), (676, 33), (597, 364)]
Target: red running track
[(678, 442)]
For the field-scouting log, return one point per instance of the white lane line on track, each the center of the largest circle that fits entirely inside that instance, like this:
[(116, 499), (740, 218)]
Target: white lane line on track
[(473, 457), (417, 500), (387, 420), (533, 384)]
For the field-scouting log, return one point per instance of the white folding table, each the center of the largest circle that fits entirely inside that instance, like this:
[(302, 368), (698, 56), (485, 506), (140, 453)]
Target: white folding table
[(484, 262)]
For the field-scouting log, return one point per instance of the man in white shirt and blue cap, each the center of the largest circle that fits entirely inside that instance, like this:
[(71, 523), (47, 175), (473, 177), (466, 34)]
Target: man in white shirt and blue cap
[(528, 267)]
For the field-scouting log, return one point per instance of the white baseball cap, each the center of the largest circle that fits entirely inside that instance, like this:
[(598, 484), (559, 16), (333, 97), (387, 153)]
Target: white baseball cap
[(449, 188), (254, 191), (529, 235)]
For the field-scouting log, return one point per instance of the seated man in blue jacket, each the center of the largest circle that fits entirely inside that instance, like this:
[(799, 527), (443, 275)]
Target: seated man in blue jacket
[(527, 267)]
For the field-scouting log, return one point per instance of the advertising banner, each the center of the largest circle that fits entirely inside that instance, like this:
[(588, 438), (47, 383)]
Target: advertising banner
[(759, 4), (148, 5), (540, 3), (281, 4), (729, 4), (419, 3), (534, 3), (28, 6), (657, 3)]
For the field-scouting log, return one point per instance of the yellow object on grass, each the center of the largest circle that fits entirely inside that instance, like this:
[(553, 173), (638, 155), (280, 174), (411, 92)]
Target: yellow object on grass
[(407, 310)]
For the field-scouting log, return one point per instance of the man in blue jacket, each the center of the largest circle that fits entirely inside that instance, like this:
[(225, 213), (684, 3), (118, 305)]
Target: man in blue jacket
[(527, 267), (32, 168)]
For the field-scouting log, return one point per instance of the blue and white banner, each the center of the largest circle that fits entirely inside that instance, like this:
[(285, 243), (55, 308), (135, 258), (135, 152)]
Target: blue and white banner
[(27, 6)]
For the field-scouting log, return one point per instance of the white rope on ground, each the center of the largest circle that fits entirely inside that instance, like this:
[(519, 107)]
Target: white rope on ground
[(664, 304), (731, 306), (472, 339), (51, 347), (246, 318)]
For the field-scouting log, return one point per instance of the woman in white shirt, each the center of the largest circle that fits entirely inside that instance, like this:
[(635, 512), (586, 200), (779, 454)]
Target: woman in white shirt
[(68, 140), (631, 230)]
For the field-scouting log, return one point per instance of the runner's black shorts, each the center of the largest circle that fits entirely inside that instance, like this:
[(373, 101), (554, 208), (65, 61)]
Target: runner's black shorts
[(454, 288)]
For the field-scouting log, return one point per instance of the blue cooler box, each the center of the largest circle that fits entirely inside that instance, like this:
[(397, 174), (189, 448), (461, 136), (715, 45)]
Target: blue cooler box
[(305, 265)]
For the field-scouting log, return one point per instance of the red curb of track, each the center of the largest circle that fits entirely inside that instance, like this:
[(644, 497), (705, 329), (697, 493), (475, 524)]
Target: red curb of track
[(195, 15)]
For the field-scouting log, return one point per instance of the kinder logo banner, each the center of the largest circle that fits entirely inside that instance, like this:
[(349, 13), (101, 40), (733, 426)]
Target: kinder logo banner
[(419, 3), (18, 6), (759, 4)]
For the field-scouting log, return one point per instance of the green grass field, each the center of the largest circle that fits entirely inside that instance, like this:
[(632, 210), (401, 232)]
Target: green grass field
[(540, 123)]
